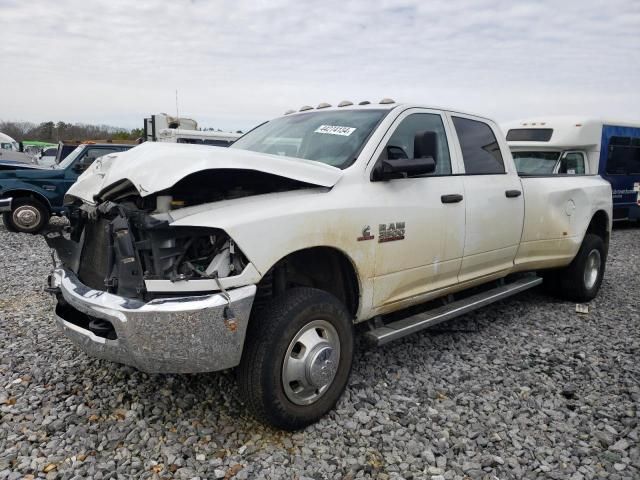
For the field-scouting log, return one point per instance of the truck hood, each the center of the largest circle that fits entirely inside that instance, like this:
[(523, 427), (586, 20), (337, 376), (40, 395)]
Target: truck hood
[(154, 167)]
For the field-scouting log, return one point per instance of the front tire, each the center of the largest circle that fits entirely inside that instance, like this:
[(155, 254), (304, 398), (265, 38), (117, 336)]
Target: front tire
[(27, 215), (581, 280), (297, 358)]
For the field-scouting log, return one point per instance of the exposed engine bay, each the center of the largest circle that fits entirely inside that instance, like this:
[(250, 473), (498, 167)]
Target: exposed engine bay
[(126, 239)]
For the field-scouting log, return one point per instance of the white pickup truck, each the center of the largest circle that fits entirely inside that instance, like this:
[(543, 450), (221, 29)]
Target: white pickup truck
[(263, 256)]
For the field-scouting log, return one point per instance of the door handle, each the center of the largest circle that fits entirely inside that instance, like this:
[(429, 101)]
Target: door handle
[(452, 198), (513, 193)]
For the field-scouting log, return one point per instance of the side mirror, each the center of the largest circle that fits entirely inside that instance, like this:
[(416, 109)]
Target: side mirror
[(80, 167), (398, 168), (397, 165)]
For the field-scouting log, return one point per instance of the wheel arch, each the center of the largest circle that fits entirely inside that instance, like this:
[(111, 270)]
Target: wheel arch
[(600, 225), (22, 193), (323, 267)]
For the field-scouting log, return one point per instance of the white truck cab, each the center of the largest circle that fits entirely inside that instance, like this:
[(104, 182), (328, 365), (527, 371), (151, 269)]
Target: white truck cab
[(263, 256)]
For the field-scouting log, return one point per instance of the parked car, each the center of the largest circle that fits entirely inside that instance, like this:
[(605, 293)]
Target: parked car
[(582, 146), (34, 148), (30, 194), (400, 216), (47, 157)]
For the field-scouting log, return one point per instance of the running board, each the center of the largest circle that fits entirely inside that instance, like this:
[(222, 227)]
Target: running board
[(420, 321)]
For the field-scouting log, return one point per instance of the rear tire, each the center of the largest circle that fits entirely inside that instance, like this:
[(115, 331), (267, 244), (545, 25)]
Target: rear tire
[(27, 215), (297, 358), (581, 280)]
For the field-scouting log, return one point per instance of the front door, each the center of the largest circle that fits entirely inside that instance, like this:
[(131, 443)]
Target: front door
[(420, 235)]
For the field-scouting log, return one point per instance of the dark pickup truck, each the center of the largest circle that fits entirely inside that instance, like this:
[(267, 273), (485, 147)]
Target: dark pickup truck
[(29, 194)]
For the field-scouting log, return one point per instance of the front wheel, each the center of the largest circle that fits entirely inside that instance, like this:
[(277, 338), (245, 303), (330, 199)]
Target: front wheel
[(27, 215), (581, 280), (297, 358)]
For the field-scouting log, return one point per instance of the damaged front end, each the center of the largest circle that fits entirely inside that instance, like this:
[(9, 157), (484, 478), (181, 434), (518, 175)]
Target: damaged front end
[(133, 289), (133, 286), (124, 250)]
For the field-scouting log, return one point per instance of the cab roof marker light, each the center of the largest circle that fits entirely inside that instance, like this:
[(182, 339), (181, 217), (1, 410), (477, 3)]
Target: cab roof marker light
[(288, 112), (365, 102), (386, 101), (345, 103), (304, 108), (323, 105)]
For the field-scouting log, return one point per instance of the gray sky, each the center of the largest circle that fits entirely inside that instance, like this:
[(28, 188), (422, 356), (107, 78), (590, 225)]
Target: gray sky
[(236, 63)]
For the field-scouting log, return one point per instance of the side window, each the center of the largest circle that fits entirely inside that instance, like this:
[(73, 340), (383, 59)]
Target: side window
[(624, 156), (572, 163), (409, 141), (480, 149)]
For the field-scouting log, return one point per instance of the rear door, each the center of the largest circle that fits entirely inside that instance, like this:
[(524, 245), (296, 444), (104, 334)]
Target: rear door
[(493, 198)]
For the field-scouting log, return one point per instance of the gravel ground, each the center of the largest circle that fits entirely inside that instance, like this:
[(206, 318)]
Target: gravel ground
[(526, 388)]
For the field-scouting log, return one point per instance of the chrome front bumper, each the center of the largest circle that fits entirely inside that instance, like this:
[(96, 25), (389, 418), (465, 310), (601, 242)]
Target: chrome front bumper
[(5, 204), (169, 335)]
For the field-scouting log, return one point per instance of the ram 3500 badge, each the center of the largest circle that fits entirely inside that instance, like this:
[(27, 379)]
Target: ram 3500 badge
[(183, 258)]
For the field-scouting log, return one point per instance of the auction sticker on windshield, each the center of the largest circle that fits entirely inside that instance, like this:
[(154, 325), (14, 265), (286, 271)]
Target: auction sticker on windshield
[(335, 130)]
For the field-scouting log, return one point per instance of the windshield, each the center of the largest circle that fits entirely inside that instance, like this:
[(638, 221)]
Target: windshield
[(535, 163), (69, 159), (333, 137)]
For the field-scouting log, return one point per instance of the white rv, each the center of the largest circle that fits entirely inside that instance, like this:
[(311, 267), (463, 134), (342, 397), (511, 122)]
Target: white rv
[(164, 128), (581, 146), (10, 150)]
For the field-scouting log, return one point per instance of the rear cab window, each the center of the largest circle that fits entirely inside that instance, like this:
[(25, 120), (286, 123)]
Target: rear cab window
[(480, 148)]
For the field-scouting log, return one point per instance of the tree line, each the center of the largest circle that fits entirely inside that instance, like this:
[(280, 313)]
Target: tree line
[(56, 131)]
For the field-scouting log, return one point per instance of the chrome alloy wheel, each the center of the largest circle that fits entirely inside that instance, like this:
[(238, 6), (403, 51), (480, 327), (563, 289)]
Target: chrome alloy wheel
[(26, 216), (592, 268), (311, 362)]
